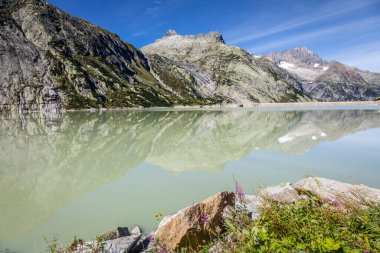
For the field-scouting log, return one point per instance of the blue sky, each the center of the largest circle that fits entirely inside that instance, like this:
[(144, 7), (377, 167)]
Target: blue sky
[(344, 30)]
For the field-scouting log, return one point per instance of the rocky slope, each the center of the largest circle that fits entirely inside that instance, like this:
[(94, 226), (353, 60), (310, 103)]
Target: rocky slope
[(203, 67), (51, 61), (328, 81)]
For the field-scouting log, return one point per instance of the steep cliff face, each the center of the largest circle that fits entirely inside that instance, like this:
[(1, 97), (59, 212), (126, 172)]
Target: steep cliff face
[(51, 61), (202, 66), (328, 81)]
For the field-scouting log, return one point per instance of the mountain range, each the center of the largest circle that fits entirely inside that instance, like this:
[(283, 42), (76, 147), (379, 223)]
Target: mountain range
[(327, 80), (51, 61)]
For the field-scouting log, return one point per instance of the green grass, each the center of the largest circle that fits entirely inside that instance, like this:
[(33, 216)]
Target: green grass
[(306, 226)]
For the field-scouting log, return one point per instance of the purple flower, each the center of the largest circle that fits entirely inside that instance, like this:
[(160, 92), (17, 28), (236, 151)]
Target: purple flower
[(203, 219), (150, 238), (161, 250), (367, 251), (239, 190)]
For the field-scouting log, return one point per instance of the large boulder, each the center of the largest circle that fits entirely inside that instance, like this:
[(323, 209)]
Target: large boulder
[(285, 194), (192, 226), (335, 191), (123, 244)]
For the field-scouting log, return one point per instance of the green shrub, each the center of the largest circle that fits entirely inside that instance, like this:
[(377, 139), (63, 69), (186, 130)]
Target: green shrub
[(306, 226)]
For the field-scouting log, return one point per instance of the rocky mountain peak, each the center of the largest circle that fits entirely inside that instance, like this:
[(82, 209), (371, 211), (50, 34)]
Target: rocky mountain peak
[(215, 36), (170, 32), (303, 49), (299, 57), (211, 37)]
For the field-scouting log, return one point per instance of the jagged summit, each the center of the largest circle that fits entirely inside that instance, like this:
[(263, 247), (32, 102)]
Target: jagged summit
[(170, 32), (211, 37), (304, 49), (215, 36), (301, 55)]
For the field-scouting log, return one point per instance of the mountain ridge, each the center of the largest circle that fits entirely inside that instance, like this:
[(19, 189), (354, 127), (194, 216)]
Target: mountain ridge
[(327, 80)]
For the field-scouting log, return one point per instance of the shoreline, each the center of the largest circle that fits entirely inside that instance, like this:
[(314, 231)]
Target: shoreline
[(368, 105), (197, 220), (254, 105)]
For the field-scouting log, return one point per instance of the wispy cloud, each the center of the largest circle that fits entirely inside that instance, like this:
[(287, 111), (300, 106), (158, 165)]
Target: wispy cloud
[(301, 39), (158, 5), (149, 30), (365, 56), (154, 8), (244, 32)]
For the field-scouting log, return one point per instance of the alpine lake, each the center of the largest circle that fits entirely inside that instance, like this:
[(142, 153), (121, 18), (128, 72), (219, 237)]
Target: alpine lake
[(84, 173)]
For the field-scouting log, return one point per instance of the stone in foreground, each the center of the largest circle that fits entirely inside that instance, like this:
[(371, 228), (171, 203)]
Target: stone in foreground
[(284, 194), (331, 190), (190, 227), (122, 244)]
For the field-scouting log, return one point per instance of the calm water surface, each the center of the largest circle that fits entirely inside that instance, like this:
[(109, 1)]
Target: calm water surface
[(85, 173)]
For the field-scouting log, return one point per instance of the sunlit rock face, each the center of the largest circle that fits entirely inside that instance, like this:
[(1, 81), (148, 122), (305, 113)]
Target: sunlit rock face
[(56, 160), (328, 80), (51, 61), (203, 66)]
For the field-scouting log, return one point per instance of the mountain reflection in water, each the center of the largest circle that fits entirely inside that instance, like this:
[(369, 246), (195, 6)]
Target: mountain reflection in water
[(46, 164)]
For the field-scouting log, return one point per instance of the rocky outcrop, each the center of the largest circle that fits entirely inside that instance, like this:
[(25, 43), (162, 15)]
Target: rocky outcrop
[(194, 224), (334, 191), (123, 244), (328, 81), (203, 67)]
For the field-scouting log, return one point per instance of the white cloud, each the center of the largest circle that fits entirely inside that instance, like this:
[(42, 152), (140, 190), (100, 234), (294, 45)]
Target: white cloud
[(300, 39), (365, 56), (245, 33)]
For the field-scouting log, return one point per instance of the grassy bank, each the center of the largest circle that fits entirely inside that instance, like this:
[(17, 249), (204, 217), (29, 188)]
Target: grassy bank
[(309, 225)]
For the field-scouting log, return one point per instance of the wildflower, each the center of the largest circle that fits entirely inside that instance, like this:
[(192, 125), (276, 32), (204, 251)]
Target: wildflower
[(367, 251), (239, 190), (161, 250), (203, 219), (150, 238)]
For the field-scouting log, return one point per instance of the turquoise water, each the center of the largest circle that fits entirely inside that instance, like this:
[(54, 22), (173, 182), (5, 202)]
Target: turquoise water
[(85, 173)]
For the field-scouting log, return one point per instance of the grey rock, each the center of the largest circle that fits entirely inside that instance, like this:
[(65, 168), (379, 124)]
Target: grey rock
[(123, 231), (122, 244), (116, 233), (335, 191), (136, 230), (145, 244), (282, 193)]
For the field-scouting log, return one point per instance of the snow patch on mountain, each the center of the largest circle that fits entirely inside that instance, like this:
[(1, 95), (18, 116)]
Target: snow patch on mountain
[(286, 65)]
